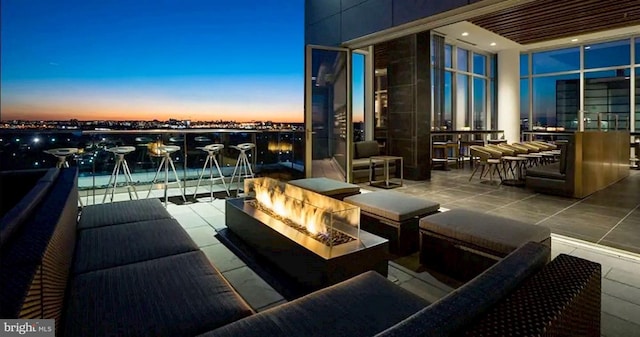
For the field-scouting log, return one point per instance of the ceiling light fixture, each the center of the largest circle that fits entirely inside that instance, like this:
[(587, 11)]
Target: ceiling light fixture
[(574, 40), (492, 44), (465, 34)]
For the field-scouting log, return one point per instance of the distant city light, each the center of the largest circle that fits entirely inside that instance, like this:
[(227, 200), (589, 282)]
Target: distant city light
[(53, 139), (36, 140), (36, 163), (17, 140)]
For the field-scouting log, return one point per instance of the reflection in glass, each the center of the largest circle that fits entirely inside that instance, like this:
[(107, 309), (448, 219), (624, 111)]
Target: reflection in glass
[(462, 101), (607, 99), (479, 64), (608, 54), (479, 103), (447, 117), (447, 55), (524, 64), (556, 101), (556, 60), (463, 56), (357, 89), (637, 107), (524, 104)]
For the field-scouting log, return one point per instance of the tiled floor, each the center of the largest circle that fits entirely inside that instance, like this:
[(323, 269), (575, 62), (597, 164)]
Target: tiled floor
[(620, 269)]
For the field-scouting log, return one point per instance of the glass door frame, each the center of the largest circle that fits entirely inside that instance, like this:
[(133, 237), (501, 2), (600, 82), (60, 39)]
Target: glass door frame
[(308, 109)]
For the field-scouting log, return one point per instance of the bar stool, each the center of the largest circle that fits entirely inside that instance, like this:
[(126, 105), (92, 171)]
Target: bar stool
[(62, 153), (243, 165), (165, 152), (119, 152), (212, 151)]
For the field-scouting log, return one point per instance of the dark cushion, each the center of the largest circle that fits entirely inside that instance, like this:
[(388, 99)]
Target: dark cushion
[(498, 234), (122, 212), (453, 313), (112, 246), (326, 186), (361, 306), (16, 184), (564, 149), (179, 295), (366, 149), (393, 205), (550, 171)]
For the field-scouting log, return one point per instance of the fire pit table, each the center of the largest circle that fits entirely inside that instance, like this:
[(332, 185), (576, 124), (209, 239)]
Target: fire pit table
[(314, 239)]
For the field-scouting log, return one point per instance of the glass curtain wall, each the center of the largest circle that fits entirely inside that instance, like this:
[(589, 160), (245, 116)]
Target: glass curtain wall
[(553, 83), (469, 90)]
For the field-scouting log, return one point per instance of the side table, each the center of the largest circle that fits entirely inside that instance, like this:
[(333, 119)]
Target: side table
[(386, 183)]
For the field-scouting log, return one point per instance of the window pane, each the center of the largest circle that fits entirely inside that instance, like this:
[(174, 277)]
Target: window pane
[(524, 104), (637, 53), (479, 64), (556, 100), (637, 110), (608, 54), (556, 60), (607, 99), (524, 64), (479, 103), (462, 59), (493, 104), (462, 101), (447, 56), (447, 118)]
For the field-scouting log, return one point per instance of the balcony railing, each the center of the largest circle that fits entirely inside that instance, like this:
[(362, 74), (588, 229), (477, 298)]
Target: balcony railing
[(277, 153)]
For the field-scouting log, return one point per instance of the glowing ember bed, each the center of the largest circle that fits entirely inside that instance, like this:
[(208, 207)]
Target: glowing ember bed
[(314, 239)]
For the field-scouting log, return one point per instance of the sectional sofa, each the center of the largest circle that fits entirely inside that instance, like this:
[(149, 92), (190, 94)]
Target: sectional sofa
[(129, 269)]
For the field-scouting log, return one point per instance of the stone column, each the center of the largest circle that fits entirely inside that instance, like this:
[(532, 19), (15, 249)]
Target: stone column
[(509, 94), (409, 90)]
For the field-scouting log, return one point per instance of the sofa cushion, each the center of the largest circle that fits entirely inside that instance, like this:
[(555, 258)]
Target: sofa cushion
[(326, 186), (501, 235), (550, 171), (179, 295), (111, 246), (393, 205), (453, 313), (366, 149), (361, 306), (122, 212)]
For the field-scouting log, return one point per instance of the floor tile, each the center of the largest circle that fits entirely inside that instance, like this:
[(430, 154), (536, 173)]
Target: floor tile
[(203, 236), (398, 276), (612, 326), (222, 257), (621, 291), (629, 276), (252, 288), (423, 289), (190, 220), (620, 308)]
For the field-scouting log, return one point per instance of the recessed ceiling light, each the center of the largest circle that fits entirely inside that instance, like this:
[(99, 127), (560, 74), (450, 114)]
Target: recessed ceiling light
[(465, 34), (574, 40), (492, 44)]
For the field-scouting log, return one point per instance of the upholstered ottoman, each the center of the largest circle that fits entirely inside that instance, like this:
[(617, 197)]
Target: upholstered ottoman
[(463, 243), (329, 187), (394, 216)]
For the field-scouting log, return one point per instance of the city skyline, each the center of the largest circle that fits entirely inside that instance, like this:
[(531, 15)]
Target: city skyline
[(146, 60)]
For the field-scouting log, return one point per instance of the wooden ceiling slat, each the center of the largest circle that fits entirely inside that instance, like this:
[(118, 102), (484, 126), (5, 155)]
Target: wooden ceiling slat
[(548, 19)]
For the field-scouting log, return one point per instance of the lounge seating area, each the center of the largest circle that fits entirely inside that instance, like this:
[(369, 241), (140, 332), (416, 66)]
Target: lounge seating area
[(102, 270)]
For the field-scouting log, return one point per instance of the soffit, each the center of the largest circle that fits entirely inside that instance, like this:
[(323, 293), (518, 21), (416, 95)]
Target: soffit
[(544, 20)]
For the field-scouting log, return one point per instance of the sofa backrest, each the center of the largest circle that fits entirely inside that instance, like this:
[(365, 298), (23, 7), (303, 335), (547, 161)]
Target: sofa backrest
[(456, 311), (366, 149), (35, 263), (27, 202)]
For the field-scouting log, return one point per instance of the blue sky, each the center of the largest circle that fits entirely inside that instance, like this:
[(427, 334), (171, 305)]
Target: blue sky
[(116, 59)]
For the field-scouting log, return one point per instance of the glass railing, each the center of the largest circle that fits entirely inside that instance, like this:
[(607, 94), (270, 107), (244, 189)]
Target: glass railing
[(278, 153)]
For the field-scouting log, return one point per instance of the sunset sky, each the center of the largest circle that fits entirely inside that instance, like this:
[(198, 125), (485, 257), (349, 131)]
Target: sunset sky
[(152, 59)]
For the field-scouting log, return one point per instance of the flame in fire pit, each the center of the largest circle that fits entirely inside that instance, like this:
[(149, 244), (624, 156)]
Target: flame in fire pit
[(294, 208)]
